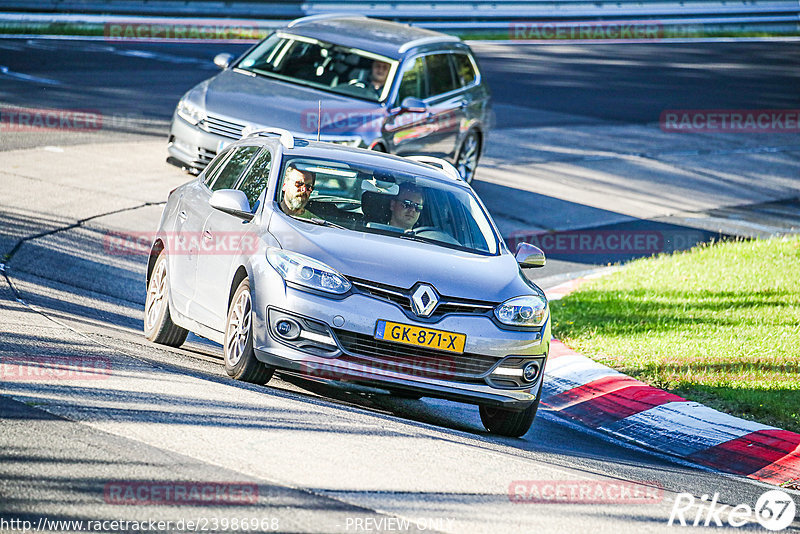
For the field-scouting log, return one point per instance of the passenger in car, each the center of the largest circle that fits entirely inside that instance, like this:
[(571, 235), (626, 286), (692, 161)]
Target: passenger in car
[(406, 207), (297, 188)]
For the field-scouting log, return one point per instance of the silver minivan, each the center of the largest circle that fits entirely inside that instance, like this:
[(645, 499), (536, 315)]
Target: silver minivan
[(350, 80), (346, 264)]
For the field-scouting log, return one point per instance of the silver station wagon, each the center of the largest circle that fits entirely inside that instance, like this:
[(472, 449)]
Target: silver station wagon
[(346, 264), (353, 80)]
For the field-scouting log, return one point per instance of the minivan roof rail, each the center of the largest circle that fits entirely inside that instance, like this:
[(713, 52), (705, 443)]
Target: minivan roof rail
[(428, 40), (287, 139), (324, 16), (439, 163)]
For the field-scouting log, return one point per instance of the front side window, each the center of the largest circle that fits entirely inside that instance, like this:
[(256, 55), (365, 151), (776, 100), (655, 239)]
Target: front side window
[(236, 164), (413, 83), (327, 66), (400, 205)]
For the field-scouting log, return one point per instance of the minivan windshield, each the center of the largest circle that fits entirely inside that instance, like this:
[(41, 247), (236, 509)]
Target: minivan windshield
[(369, 199), (327, 66)]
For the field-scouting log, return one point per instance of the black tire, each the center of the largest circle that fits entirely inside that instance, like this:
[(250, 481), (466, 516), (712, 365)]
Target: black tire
[(240, 358), (506, 422), (468, 155), (158, 325)]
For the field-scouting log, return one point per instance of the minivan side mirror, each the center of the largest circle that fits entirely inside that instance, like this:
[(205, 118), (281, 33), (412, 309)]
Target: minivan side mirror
[(223, 60), (231, 201), (529, 256), (413, 105)]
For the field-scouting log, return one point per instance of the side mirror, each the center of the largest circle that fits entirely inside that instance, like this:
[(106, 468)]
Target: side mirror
[(231, 201), (530, 256), (223, 60), (413, 105)]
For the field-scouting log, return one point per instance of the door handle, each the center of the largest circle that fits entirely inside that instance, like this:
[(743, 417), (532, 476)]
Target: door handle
[(207, 234), (182, 216)]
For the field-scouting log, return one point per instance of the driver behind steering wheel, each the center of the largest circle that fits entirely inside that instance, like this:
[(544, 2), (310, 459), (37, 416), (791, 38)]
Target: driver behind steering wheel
[(406, 207)]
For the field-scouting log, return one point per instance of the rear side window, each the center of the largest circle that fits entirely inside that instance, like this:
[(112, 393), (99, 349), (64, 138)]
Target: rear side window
[(413, 83), (233, 169), (256, 180), (440, 75), (465, 70)]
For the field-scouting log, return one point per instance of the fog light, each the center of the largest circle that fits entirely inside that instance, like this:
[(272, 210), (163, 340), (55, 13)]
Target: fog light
[(530, 372), (287, 329)]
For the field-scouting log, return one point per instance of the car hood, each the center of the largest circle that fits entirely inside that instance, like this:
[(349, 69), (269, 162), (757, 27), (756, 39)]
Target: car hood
[(265, 101), (402, 263)]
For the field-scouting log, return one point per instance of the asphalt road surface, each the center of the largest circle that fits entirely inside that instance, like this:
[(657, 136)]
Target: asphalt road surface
[(310, 456)]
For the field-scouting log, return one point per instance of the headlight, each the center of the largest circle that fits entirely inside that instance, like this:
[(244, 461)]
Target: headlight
[(307, 272), (190, 112), (522, 311)]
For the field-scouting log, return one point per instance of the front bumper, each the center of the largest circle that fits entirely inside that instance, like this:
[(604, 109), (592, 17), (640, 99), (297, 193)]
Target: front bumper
[(193, 147), (443, 375)]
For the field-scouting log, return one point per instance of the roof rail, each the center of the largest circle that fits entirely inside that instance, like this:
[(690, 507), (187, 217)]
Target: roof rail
[(439, 163), (287, 139), (428, 40), (324, 16)]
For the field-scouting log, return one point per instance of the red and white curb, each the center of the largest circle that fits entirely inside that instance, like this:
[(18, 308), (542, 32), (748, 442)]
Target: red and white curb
[(608, 401)]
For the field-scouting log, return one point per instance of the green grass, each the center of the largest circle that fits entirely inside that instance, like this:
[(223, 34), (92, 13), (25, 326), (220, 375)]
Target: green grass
[(719, 324)]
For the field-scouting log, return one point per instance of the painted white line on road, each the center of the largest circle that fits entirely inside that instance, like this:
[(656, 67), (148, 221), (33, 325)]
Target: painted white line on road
[(5, 71)]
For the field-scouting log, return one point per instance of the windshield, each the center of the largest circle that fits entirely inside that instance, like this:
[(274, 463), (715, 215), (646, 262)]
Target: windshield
[(374, 200), (326, 66)]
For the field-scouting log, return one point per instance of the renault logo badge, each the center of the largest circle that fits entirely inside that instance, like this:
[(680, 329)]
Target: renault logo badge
[(424, 300)]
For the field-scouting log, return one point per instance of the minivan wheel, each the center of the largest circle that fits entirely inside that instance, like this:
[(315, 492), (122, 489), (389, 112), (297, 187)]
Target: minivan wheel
[(240, 358), (468, 154), (505, 422), (158, 325)]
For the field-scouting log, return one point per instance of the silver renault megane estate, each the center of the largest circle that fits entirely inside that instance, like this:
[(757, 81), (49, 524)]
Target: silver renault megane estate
[(346, 264)]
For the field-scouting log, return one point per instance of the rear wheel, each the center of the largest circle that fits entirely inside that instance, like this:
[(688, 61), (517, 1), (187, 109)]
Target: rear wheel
[(505, 422), (240, 358), (468, 154), (158, 325)]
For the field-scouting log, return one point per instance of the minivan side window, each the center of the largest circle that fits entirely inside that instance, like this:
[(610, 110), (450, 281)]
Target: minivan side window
[(465, 70), (413, 82), (233, 169), (440, 75)]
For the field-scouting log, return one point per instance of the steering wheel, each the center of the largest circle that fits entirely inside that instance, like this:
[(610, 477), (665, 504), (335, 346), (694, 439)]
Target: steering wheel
[(357, 83)]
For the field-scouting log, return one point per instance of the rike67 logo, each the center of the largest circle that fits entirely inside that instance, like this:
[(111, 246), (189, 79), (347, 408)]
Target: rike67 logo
[(775, 510)]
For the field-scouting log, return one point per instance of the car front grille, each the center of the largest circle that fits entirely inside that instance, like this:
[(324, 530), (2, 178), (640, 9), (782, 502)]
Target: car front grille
[(223, 127), (361, 349), (402, 297)]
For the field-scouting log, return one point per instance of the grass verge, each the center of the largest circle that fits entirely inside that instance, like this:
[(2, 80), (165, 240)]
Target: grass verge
[(719, 324)]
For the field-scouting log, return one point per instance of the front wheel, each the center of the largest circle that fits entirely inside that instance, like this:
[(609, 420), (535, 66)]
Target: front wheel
[(506, 422), (158, 325), (468, 154), (240, 358)]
